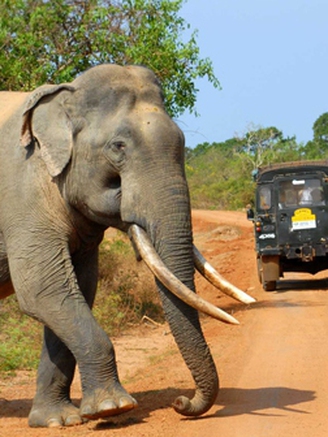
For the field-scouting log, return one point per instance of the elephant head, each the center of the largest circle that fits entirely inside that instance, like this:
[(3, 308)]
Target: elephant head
[(118, 160)]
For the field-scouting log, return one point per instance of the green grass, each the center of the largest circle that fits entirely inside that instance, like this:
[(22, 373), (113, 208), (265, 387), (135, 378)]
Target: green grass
[(126, 292), (20, 339)]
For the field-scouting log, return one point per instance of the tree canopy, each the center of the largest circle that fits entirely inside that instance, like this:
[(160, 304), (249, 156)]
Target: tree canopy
[(317, 147), (45, 41), (320, 128)]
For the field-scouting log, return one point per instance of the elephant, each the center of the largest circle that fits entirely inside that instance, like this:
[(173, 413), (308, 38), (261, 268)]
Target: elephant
[(75, 159)]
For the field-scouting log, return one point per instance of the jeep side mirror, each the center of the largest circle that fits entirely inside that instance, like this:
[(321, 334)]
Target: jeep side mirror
[(249, 213)]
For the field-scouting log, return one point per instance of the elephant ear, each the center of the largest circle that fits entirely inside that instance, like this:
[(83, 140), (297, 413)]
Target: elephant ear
[(46, 120)]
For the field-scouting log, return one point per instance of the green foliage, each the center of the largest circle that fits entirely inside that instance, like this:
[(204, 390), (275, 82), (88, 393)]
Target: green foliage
[(318, 147), (126, 292), (316, 150), (320, 128), (210, 172), (20, 339), (53, 41)]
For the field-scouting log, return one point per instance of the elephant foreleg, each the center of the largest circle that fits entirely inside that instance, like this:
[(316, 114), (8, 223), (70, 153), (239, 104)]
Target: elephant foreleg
[(111, 399), (73, 334), (52, 405)]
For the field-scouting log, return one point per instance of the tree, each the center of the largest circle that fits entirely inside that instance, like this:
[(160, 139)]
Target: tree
[(261, 146), (317, 148), (320, 129), (255, 144), (53, 41)]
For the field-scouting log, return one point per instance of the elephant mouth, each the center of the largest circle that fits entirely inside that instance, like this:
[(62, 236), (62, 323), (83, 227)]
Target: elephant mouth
[(146, 251), (104, 209)]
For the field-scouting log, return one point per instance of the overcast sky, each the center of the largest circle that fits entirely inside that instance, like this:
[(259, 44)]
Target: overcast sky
[(271, 57)]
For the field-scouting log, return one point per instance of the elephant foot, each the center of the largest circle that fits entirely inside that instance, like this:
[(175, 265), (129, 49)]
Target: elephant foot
[(61, 414), (103, 403)]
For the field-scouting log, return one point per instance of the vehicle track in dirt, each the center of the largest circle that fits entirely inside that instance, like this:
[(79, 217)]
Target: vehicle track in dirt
[(272, 367)]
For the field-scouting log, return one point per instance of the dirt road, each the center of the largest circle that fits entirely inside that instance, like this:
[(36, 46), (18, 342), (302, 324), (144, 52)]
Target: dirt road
[(272, 367)]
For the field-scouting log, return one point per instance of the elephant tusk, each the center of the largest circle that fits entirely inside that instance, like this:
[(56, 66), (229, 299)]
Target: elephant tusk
[(163, 274), (205, 269)]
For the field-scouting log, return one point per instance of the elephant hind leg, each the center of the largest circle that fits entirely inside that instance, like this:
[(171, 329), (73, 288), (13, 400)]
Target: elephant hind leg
[(63, 414), (52, 405)]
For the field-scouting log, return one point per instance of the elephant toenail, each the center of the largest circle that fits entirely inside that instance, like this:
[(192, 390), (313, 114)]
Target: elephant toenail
[(73, 420), (127, 402), (87, 411), (107, 405), (54, 423)]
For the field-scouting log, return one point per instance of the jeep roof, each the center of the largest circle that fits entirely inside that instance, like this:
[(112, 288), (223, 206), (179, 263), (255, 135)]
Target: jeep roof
[(267, 173)]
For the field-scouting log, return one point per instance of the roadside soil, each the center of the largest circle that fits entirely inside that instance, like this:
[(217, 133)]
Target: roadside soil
[(272, 366)]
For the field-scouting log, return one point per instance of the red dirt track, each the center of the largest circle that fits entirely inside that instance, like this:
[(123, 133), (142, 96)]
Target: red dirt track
[(272, 367)]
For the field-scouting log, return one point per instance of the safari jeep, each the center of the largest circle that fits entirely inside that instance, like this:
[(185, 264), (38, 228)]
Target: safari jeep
[(291, 219)]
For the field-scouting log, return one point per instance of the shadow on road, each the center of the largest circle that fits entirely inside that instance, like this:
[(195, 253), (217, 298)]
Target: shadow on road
[(234, 401), (302, 284), (237, 401), (15, 408)]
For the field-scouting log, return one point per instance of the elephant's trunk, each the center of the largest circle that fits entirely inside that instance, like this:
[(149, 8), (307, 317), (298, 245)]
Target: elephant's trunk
[(171, 236), (184, 322), (190, 340)]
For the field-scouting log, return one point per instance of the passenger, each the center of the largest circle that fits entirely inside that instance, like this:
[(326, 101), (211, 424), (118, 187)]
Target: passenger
[(305, 196)]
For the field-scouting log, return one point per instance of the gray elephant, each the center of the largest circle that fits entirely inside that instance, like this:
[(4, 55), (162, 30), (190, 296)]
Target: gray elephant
[(76, 159)]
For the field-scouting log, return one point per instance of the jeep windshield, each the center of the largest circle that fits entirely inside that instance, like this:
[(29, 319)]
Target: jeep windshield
[(300, 192)]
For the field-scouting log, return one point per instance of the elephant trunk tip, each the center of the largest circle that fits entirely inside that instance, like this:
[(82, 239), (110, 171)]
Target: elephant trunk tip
[(191, 408)]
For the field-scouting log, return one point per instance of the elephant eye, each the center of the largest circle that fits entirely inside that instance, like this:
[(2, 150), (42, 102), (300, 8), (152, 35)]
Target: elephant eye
[(115, 152), (117, 146)]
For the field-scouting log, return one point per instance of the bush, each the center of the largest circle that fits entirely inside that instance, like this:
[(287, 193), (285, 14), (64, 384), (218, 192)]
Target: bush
[(126, 289), (20, 338)]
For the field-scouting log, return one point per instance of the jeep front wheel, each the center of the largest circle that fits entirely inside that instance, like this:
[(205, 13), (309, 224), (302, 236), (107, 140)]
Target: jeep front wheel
[(269, 285)]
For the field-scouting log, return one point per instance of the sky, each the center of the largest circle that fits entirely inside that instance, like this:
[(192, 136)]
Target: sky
[(271, 58)]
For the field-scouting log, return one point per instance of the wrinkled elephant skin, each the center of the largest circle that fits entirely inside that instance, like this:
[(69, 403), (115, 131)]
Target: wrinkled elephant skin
[(76, 159)]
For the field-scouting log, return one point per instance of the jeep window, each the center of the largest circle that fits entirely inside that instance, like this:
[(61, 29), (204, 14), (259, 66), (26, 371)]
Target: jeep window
[(288, 195), (265, 197), (300, 192)]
